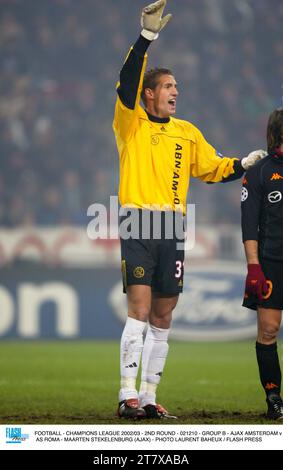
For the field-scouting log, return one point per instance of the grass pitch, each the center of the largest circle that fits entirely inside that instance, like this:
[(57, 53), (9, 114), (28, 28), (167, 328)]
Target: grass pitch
[(77, 383)]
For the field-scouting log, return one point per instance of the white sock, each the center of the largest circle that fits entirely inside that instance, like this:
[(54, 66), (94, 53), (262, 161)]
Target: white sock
[(130, 354), (154, 355)]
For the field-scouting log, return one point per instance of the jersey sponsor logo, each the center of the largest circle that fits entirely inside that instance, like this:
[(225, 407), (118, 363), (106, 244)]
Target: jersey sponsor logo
[(276, 176), (176, 173), (245, 194), (138, 272), (210, 308), (245, 181), (154, 139), (274, 196)]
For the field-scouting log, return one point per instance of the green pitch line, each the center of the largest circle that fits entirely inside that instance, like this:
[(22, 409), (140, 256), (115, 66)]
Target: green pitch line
[(77, 382)]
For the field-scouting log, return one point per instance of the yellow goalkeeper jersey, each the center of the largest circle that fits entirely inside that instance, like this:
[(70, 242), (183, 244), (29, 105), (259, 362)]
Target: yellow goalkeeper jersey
[(158, 158)]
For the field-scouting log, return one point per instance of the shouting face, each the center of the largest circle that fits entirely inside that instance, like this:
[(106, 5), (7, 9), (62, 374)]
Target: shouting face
[(161, 101)]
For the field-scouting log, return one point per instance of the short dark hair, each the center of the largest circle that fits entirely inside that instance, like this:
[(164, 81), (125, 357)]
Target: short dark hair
[(151, 78), (275, 129)]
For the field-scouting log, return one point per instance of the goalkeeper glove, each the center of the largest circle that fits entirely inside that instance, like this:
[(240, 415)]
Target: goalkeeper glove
[(252, 158), (151, 20), (255, 282)]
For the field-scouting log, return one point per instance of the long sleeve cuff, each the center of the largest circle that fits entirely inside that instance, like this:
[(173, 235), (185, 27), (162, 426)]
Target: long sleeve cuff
[(141, 45), (238, 172)]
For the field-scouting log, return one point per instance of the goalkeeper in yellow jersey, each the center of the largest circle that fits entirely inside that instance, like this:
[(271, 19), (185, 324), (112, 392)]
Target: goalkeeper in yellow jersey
[(158, 154)]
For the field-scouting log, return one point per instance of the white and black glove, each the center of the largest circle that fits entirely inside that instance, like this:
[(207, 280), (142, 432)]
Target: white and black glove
[(151, 20), (252, 158)]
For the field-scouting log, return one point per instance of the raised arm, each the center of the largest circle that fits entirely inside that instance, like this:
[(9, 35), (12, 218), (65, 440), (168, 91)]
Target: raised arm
[(131, 76)]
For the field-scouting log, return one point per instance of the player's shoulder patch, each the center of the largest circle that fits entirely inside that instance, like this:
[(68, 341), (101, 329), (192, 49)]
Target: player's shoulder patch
[(244, 194)]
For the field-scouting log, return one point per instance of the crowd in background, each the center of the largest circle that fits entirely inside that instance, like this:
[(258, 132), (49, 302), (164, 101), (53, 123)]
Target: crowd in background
[(59, 66)]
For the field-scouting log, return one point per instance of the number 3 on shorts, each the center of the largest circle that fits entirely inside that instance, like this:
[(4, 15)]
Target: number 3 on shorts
[(179, 266)]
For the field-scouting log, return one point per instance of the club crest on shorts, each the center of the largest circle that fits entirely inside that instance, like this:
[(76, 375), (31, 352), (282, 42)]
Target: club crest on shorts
[(138, 272)]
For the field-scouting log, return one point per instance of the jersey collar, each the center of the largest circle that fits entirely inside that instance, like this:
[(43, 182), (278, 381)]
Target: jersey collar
[(277, 155), (157, 119)]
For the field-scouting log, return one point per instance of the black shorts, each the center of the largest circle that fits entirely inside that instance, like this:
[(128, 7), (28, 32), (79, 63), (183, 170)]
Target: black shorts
[(273, 272), (158, 263)]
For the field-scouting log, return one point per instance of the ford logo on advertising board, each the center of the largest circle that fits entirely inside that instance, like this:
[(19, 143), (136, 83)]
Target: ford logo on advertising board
[(210, 308)]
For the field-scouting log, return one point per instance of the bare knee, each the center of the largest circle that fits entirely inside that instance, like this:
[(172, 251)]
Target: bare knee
[(139, 302), (138, 308), (268, 333), (161, 319), (161, 312), (139, 312), (268, 324)]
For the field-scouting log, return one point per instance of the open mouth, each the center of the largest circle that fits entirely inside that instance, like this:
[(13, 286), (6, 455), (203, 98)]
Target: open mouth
[(172, 103)]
